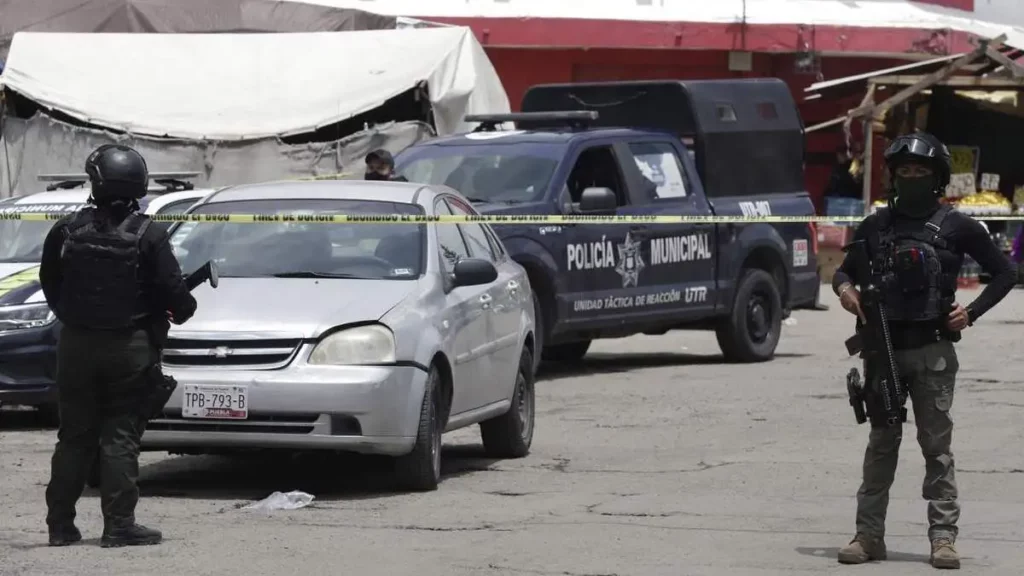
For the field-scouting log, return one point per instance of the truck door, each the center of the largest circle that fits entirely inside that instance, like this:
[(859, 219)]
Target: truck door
[(679, 261), (601, 261)]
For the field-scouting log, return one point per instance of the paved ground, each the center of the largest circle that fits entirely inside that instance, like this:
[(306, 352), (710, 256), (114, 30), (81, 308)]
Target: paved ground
[(653, 460)]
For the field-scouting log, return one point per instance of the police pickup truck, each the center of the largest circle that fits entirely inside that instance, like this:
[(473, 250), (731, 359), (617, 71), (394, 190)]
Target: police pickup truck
[(663, 148), (28, 329)]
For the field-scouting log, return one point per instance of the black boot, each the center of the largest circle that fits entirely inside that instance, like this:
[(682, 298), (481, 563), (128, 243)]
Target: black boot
[(64, 535), (131, 535)]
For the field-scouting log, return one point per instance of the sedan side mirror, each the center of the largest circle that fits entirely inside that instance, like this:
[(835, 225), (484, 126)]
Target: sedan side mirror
[(598, 200), (474, 272)]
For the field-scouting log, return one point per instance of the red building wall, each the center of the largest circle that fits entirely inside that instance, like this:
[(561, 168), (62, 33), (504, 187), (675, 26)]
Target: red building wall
[(520, 68)]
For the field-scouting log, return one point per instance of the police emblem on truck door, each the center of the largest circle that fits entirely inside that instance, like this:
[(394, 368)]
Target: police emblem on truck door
[(630, 262), (625, 258)]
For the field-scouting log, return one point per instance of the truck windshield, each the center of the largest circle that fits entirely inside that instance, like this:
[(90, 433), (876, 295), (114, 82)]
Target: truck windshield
[(497, 173)]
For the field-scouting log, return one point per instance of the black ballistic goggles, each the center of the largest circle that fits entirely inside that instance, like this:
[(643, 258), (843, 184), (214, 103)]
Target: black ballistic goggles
[(914, 147)]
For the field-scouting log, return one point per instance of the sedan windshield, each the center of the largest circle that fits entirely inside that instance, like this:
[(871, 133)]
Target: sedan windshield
[(496, 173), (304, 250), (21, 241)]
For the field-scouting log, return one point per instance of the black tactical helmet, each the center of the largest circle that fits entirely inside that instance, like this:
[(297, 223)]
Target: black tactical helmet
[(921, 147), (117, 172)]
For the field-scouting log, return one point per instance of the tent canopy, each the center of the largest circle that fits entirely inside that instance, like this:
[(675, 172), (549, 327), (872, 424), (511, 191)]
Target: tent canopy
[(249, 86), (179, 16)]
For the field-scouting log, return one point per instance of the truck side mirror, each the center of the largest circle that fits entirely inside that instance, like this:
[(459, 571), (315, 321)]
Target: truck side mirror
[(598, 200)]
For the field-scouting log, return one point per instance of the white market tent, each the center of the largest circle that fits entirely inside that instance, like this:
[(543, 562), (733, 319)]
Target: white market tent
[(249, 86), (221, 104)]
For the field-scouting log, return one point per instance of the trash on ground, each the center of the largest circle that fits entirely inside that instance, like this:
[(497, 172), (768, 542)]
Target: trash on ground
[(789, 321), (282, 501)]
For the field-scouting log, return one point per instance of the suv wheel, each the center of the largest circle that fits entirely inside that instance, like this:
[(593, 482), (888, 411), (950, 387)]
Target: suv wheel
[(751, 331), (569, 353)]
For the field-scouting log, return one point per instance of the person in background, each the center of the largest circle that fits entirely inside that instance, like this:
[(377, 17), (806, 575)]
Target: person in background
[(847, 175), (380, 165)]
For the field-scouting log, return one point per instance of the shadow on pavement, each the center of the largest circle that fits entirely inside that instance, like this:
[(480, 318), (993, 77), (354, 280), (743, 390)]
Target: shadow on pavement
[(833, 553), (615, 363), (256, 476)]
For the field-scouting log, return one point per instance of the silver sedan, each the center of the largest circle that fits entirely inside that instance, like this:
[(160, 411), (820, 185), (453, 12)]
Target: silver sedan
[(369, 337)]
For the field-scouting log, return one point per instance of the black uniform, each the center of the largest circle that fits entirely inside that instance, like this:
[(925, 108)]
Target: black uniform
[(964, 236), (114, 283), (915, 249)]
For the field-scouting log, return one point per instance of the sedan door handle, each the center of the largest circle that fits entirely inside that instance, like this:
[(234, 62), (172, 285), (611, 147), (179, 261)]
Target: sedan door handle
[(485, 299)]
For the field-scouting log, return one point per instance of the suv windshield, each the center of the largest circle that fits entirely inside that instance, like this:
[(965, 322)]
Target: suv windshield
[(21, 241), (300, 250), (498, 173)]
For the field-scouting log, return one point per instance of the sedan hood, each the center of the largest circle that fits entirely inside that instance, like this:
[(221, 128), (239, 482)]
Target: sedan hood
[(19, 284), (298, 307)]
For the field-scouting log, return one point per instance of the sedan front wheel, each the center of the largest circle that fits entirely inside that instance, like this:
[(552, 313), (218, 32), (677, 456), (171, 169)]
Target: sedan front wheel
[(420, 470)]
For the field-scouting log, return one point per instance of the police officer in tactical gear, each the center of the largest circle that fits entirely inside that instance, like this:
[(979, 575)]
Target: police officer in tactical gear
[(114, 283), (925, 242)]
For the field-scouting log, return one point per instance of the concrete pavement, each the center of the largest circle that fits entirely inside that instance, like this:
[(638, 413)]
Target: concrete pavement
[(653, 459)]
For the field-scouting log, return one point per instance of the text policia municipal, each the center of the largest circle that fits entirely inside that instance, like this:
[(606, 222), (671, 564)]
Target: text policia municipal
[(670, 250)]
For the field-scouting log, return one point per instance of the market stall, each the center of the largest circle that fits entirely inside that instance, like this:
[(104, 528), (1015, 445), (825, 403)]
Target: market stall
[(971, 103)]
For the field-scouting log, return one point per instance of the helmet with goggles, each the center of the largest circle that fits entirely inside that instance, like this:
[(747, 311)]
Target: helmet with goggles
[(922, 148)]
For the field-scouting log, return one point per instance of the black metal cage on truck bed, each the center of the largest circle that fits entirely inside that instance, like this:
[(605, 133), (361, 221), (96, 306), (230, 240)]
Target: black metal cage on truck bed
[(747, 135)]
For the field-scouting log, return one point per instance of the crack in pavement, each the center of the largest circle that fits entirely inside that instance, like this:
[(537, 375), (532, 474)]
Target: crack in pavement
[(701, 467), (1009, 471), (546, 572), (407, 527)]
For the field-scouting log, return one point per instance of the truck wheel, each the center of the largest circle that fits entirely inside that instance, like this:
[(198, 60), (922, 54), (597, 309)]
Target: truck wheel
[(511, 434), (751, 332), (420, 470), (569, 353), (538, 332)]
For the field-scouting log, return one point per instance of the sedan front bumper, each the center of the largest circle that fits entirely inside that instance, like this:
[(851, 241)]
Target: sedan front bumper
[(364, 409)]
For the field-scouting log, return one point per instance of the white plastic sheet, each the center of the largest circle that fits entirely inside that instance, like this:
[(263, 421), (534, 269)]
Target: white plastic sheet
[(282, 501)]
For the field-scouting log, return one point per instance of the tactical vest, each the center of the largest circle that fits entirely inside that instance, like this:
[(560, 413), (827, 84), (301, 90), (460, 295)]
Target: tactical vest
[(100, 265), (914, 287)]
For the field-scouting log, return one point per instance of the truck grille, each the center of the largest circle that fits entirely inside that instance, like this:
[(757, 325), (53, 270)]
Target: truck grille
[(262, 353)]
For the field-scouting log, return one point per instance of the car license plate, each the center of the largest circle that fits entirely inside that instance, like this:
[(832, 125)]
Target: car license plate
[(215, 402)]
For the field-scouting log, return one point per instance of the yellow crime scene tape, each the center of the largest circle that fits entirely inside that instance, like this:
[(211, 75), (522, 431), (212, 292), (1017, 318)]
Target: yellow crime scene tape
[(457, 219)]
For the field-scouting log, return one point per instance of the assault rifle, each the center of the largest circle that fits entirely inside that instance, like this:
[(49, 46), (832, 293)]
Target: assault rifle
[(163, 386), (874, 344)]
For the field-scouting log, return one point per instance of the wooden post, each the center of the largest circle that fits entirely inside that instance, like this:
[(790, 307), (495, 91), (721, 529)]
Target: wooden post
[(869, 145), (1011, 66)]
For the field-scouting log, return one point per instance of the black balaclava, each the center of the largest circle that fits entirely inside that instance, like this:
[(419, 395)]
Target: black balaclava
[(915, 197)]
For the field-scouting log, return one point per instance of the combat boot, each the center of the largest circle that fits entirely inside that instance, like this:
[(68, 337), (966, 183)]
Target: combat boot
[(863, 549), (130, 535), (64, 535), (944, 554)]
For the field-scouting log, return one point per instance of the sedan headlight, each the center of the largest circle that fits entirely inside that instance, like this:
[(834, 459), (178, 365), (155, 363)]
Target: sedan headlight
[(370, 344), (25, 316)]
